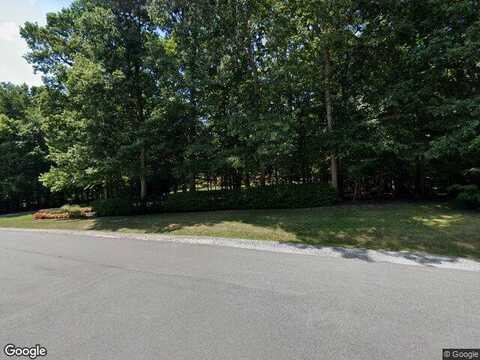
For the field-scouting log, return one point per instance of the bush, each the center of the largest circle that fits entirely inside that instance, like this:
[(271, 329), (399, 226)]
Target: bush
[(271, 197), (454, 190), (468, 197), (77, 211), (113, 207), (51, 214), (64, 213)]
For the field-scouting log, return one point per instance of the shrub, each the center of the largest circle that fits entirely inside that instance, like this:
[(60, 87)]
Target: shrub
[(113, 207), (454, 190), (468, 197), (271, 197), (51, 214), (77, 211), (63, 213)]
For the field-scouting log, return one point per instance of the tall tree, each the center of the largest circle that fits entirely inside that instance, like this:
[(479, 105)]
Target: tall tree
[(114, 50), (22, 149), (326, 29)]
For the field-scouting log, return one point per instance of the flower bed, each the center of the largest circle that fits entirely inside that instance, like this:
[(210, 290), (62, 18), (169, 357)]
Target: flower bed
[(64, 213)]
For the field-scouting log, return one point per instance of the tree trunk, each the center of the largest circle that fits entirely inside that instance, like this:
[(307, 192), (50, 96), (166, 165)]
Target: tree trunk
[(420, 177), (193, 182), (143, 176), (262, 178), (247, 179), (328, 105)]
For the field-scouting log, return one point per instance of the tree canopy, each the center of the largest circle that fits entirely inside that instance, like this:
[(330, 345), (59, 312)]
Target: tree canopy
[(146, 97)]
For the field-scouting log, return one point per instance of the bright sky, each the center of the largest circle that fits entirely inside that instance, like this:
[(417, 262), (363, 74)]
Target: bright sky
[(14, 13)]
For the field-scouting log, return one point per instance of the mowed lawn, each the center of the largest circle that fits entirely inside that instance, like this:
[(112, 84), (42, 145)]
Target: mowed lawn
[(433, 228)]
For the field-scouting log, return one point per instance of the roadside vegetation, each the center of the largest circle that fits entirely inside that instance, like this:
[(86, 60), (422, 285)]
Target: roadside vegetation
[(429, 227), (64, 213), (155, 107), (152, 97)]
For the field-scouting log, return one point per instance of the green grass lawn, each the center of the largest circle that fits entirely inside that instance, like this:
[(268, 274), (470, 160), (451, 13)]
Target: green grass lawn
[(434, 228)]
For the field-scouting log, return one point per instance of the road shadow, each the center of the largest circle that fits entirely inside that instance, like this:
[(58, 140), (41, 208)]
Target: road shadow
[(423, 259), (359, 254), (364, 254)]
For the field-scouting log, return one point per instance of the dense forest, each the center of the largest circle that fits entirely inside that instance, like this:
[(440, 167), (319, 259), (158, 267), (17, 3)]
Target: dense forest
[(381, 99)]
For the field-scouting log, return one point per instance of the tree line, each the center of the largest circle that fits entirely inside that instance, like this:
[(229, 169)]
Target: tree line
[(377, 98)]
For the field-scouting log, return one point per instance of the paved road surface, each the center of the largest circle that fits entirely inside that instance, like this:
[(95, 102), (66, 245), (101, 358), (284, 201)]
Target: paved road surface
[(97, 298)]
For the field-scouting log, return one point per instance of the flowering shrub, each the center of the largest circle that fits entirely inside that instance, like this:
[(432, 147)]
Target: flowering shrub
[(64, 213)]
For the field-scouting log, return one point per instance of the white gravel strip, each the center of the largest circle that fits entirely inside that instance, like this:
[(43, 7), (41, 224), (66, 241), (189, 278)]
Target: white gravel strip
[(394, 257)]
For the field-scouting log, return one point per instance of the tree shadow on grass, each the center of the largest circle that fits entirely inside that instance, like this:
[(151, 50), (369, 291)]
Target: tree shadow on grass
[(15, 215), (412, 228)]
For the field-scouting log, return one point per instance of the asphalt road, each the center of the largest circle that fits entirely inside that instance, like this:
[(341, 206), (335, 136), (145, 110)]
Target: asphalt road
[(98, 298)]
